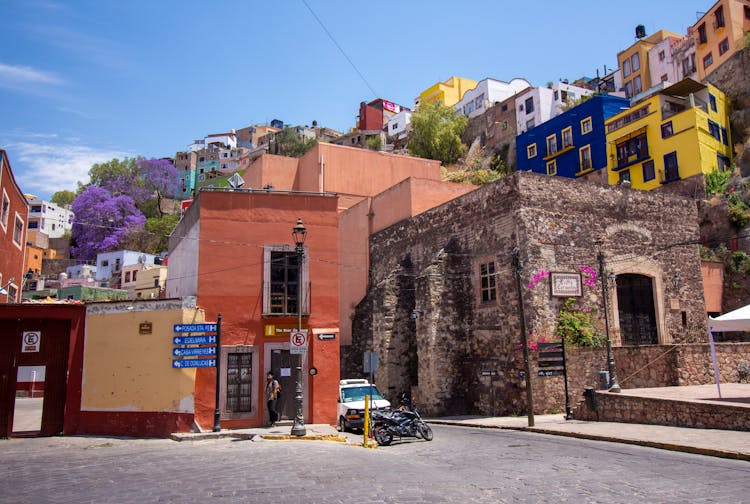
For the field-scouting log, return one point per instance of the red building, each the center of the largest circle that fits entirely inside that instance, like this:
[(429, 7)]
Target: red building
[(13, 211), (375, 115), (235, 252)]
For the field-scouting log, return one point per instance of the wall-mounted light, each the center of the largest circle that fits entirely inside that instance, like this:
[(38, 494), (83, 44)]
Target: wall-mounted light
[(676, 280)]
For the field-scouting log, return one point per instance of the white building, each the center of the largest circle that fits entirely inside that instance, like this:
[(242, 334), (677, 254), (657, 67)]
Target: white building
[(49, 218), (683, 58), (109, 265), (487, 93), (81, 271), (537, 105), (399, 124)]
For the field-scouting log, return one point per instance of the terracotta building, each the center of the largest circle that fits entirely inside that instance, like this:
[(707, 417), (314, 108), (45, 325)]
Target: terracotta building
[(234, 251), (442, 308), (14, 209)]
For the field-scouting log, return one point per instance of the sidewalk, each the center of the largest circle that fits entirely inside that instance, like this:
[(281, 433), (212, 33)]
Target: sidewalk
[(281, 431), (717, 443)]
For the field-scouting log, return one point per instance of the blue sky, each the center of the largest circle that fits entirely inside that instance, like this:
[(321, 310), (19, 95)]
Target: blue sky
[(83, 82)]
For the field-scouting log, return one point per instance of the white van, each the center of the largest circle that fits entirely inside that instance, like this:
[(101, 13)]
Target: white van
[(351, 404)]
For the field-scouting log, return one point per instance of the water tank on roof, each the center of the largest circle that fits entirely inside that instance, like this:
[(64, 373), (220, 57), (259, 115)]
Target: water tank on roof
[(640, 31)]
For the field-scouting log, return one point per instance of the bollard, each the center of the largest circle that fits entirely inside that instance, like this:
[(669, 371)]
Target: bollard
[(590, 394)]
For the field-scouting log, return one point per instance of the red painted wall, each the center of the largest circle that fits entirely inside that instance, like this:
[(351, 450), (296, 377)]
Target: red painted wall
[(11, 255), (32, 316), (370, 118), (234, 227)]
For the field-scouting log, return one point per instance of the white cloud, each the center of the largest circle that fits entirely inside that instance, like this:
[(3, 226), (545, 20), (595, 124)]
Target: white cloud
[(18, 75), (44, 168)]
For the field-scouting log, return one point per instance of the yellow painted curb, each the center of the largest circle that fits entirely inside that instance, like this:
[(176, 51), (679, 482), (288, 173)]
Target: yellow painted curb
[(288, 437)]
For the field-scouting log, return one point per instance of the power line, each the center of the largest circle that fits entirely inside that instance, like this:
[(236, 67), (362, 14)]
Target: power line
[(339, 48)]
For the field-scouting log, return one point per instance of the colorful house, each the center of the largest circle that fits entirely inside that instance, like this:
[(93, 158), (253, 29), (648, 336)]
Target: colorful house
[(675, 133), (720, 33), (572, 144), (448, 92), (634, 62)]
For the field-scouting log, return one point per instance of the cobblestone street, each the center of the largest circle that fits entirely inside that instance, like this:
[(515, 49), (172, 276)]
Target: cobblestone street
[(460, 465)]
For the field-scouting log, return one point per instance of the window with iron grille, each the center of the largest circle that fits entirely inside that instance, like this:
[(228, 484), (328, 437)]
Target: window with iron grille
[(488, 281), (239, 382), (284, 282)]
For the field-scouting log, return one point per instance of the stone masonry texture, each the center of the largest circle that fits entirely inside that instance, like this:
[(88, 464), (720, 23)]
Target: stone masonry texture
[(438, 342)]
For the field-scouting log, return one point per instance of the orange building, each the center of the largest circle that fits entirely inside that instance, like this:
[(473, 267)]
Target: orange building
[(234, 251), (720, 33), (375, 190)]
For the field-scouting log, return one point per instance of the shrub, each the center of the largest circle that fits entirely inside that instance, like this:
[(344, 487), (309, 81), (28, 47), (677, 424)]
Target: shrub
[(716, 182), (578, 327)]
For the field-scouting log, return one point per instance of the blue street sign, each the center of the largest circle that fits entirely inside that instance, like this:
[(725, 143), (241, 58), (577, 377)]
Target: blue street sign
[(184, 352), (192, 363), (194, 340), (208, 327)]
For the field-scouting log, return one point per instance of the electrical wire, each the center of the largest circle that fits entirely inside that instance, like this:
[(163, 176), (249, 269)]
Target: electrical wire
[(338, 46)]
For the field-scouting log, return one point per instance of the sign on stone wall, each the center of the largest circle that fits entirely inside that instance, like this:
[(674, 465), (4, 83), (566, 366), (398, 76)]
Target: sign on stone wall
[(566, 284)]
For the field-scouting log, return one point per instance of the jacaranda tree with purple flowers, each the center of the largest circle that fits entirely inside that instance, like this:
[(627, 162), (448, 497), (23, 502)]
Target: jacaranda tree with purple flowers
[(159, 178), (103, 222)]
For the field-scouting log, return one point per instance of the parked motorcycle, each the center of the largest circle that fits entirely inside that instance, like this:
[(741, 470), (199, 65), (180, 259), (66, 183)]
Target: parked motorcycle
[(403, 422)]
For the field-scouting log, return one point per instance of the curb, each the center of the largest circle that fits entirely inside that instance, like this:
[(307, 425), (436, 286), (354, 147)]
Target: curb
[(204, 436), (651, 444), (595, 437)]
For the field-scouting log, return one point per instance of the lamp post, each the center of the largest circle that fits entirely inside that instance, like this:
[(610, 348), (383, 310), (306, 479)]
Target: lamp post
[(614, 383), (299, 233)]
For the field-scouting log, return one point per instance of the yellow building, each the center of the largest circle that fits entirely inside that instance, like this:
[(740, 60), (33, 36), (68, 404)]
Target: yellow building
[(675, 133), (150, 282), (634, 65), (449, 92), (720, 33)]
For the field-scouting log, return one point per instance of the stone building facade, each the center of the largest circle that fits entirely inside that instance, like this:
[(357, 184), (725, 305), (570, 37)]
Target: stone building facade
[(442, 308)]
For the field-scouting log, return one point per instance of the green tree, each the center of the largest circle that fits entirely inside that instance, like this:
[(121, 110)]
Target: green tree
[(289, 143), (374, 142), (436, 133), (63, 198), (105, 174)]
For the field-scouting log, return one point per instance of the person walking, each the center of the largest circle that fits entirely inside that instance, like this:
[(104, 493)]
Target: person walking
[(272, 397)]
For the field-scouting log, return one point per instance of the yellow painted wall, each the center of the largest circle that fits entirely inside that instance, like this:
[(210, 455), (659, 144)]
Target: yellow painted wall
[(449, 92), (695, 147), (124, 370)]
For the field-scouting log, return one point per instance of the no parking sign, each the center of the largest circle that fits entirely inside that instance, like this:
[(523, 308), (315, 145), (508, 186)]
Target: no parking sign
[(298, 341), (31, 341)]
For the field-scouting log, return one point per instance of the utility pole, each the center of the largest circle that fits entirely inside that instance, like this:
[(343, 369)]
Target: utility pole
[(614, 384), (524, 337)]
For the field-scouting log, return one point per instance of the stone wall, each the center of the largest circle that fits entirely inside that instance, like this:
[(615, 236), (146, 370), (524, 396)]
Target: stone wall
[(611, 407), (440, 342)]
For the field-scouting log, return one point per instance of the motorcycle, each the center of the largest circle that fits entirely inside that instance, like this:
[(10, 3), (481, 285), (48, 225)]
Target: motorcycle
[(403, 422)]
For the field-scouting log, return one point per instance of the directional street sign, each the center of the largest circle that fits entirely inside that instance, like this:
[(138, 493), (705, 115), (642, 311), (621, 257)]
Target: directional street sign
[(193, 363), (184, 352), (195, 328), (194, 340)]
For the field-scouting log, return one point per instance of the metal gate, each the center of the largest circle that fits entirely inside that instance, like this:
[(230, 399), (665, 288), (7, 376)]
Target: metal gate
[(283, 367), (635, 305), (50, 354)]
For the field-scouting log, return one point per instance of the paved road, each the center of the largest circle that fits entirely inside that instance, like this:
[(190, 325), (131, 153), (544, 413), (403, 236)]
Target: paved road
[(460, 465)]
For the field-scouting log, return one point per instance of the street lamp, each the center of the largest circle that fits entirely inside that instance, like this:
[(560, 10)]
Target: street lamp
[(614, 383), (299, 233)]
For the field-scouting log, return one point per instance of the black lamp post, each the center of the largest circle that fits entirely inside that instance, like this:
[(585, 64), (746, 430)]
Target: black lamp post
[(613, 382), (299, 233)]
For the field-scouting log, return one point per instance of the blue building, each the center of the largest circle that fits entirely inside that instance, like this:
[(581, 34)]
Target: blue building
[(571, 144)]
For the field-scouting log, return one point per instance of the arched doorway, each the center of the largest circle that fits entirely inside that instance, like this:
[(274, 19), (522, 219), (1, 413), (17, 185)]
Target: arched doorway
[(635, 306)]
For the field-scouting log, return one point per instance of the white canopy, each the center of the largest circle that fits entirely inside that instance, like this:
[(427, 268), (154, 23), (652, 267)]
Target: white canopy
[(737, 320)]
